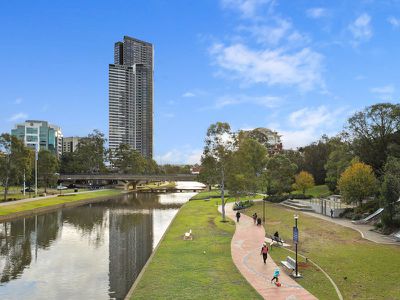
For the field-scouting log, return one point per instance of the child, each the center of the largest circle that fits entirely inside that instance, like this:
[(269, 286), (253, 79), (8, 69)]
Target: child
[(276, 276), (264, 252)]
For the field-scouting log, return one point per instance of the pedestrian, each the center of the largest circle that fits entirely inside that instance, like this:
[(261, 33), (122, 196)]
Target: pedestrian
[(276, 276), (264, 252), (255, 218), (237, 216), (258, 221), (276, 236), (331, 213)]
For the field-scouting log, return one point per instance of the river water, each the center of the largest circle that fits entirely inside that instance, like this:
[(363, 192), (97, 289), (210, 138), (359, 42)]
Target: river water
[(93, 251)]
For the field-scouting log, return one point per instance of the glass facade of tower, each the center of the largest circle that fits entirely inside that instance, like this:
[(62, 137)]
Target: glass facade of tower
[(131, 96), (40, 135)]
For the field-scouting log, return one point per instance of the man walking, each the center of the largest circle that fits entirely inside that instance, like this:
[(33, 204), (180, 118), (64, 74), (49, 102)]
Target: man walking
[(237, 216)]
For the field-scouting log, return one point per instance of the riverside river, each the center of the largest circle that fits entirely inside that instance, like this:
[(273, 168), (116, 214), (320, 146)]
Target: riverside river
[(94, 251)]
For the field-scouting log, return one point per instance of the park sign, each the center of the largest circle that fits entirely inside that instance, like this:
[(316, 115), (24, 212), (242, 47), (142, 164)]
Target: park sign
[(295, 235)]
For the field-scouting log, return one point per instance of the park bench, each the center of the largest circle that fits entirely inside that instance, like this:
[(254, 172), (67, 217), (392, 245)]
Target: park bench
[(290, 266)]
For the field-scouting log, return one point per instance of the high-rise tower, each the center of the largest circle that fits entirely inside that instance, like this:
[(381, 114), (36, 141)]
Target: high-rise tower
[(131, 96)]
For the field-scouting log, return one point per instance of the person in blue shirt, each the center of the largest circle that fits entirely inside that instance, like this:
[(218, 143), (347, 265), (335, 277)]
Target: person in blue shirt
[(276, 275)]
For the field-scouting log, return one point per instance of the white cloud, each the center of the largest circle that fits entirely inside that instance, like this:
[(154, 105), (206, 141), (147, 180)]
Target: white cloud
[(179, 156), (384, 92), (306, 125), (188, 95), (395, 22), (247, 8), (360, 77), (270, 34), (265, 101), (361, 28), (316, 12), (18, 101), (18, 116), (301, 68)]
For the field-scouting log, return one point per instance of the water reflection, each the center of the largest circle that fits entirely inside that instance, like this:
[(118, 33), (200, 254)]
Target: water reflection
[(90, 252)]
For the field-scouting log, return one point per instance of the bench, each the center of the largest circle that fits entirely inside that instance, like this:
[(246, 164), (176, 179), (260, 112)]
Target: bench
[(289, 264)]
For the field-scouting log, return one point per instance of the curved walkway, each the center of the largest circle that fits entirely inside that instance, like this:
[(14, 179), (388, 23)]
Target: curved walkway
[(364, 229), (245, 249)]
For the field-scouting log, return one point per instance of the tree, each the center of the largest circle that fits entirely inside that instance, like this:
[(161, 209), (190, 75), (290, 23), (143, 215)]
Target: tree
[(373, 131), (303, 181), (339, 159), (219, 145), (91, 154), (278, 175), (245, 167), (14, 160), (390, 189), (47, 168), (128, 160), (357, 182)]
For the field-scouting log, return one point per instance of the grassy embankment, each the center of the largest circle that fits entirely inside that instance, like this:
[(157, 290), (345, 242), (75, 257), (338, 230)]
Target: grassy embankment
[(316, 191), (35, 204), (157, 185), (14, 193), (360, 268), (197, 269)]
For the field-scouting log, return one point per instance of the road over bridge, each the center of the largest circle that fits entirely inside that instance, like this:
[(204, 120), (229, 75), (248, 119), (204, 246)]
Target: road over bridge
[(129, 180)]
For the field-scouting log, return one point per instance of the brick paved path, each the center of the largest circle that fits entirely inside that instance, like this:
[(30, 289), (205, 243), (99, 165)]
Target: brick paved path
[(245, 249)]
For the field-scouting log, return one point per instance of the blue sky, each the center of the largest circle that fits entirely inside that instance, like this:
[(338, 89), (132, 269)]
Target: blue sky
[(300, 67)]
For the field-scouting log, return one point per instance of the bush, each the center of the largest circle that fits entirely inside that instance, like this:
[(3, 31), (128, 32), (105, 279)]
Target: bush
[(300, 196), (277, 198)]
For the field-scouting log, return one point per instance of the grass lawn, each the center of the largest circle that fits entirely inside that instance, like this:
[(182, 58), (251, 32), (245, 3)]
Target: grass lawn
[(360, 268), (18, 207), (168, 185), (181, 270), (14, 193), (206, 195), (316, 191)]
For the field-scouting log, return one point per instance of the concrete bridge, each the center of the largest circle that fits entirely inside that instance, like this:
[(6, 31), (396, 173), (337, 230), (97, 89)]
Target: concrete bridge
[(130, 181)]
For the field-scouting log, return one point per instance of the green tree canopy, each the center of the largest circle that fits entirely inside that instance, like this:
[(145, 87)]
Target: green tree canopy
[(390, 189), (374, 132), (47, 168), (15, 159), (279, 174)]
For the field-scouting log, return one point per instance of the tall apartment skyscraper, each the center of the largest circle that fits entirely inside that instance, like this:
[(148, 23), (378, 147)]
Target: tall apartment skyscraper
[(131, 96)]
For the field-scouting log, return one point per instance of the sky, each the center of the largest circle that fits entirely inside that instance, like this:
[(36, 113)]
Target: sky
[(299, 67)]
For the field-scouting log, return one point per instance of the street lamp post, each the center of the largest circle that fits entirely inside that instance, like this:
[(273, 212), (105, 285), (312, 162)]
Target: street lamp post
[(296, 239), (36, 168), (263, 211)]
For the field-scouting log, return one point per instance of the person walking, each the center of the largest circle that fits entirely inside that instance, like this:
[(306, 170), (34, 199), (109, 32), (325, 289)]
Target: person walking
[(264, 252), (276, 276), (331, 213), (255, 218), (237, 216)]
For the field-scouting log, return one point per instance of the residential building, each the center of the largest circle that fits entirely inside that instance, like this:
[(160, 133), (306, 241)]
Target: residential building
[(131, 96), (39, 135), (69, 144), (269, 138)]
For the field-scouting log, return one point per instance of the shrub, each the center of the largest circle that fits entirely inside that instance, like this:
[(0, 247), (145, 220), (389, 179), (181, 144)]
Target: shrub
[(299, 196), (277, 198)]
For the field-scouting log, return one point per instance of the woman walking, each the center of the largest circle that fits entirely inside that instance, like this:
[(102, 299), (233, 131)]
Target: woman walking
[(264, 252), (255, 218)]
